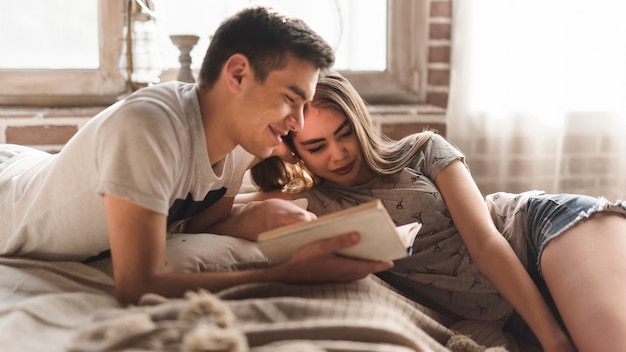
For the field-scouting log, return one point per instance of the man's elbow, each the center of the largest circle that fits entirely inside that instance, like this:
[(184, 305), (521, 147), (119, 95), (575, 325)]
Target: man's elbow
[(130, 293)]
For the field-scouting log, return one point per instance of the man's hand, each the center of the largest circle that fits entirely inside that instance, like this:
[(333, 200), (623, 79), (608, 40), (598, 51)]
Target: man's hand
[(318, 263)]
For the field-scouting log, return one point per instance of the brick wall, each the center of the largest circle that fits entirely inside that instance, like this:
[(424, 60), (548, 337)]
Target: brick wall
[(440, 29), (584, 155), (398, 122), (48, 129)]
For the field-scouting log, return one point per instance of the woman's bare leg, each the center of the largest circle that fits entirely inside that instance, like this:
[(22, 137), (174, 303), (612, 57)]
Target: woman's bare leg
[(585, 270)]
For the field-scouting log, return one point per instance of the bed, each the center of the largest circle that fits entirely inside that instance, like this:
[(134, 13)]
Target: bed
[(69, 306)]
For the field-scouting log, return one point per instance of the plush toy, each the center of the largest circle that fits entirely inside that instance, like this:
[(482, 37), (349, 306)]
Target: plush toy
[(462, 343)]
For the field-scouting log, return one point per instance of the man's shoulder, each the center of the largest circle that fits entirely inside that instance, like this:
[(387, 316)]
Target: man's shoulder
[(157, 106), (169, 95)]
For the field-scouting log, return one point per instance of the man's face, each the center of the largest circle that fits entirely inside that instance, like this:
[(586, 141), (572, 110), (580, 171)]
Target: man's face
[(272, 108)]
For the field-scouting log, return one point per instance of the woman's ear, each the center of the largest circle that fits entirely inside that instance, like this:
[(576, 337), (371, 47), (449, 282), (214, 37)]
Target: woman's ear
[(235, 69), (286, 153)]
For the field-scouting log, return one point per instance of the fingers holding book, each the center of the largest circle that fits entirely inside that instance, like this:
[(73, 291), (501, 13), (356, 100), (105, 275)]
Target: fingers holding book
[(318, 262)]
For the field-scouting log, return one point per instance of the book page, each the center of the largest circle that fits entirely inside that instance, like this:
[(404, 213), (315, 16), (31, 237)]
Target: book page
[(380, 239), (408, 233)]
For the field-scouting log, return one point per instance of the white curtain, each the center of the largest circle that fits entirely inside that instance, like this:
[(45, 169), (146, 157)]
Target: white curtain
[(538, 94)]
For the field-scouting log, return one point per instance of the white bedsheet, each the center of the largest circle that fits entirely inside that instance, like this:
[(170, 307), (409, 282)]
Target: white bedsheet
[(69, 306)]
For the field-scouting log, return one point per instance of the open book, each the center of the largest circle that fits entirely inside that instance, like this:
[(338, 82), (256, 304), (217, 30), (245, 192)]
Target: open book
[(381, 239)]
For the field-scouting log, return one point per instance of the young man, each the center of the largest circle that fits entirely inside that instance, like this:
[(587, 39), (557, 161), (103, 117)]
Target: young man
[(173, 156)]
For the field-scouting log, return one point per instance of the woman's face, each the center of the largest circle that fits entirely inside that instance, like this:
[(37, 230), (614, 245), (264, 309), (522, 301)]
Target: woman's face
[(328, 146)]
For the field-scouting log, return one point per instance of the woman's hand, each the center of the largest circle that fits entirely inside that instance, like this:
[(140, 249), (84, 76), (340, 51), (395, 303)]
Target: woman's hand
[(558, 342)]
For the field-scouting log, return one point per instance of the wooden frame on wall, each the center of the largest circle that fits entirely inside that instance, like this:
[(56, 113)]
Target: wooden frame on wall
[(77, 87), (404, 80)]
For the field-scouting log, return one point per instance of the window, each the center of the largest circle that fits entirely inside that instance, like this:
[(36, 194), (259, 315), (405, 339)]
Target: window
[(407, 57), (382, 56), (79, 63), (33, 70)]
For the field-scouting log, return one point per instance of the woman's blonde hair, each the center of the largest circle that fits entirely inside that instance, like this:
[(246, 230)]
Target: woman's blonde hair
[(382, 155)]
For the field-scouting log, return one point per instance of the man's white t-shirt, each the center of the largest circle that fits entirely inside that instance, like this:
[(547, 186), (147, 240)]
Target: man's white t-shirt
[(149, 149)]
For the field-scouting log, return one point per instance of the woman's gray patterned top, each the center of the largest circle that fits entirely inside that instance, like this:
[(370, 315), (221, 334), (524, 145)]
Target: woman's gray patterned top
[(440, 271)]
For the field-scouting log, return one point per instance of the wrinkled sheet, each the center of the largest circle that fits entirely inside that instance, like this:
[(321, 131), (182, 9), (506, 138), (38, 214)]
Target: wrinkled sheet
[(43, 304), (69, 306)]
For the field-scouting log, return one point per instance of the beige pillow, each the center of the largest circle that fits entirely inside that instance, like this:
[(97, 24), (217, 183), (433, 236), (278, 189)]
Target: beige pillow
[(209, 252), (202, 252)]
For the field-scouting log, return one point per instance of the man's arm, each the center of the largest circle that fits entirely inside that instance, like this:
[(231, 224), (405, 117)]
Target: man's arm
[(137, 238)]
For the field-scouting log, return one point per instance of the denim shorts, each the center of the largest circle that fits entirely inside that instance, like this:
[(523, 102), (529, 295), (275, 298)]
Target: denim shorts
[(549, 215)]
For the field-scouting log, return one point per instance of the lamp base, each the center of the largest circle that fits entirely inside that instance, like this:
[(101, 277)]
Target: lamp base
[(184, 43)]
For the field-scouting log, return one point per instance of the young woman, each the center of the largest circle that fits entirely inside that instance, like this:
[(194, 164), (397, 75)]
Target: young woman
[(487, 260)]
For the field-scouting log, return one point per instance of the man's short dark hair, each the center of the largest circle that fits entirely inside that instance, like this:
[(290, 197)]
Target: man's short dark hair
[(264, 36)]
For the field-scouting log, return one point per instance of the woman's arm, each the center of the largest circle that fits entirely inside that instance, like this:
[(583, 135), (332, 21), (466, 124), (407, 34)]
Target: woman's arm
[(243, 198), (494, 257), (248, 217)]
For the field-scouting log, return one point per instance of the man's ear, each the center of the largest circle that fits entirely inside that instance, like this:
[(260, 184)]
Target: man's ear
[(235, 69)]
